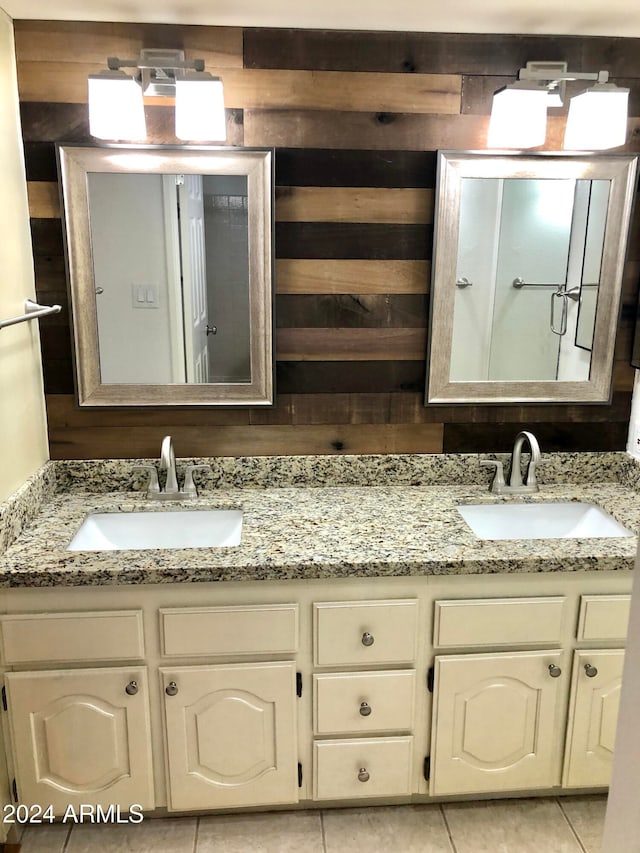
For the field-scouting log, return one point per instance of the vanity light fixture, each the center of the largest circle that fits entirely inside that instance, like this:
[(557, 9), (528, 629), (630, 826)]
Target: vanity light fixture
[(597, 117), (116, 108)]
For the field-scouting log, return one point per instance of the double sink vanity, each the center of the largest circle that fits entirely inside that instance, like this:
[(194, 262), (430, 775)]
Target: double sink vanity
[(344, 637)]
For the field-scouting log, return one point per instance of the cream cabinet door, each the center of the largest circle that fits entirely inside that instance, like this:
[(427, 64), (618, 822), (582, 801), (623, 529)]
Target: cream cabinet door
[(231, 735), (81, 736), (593, 717), (495, 725)]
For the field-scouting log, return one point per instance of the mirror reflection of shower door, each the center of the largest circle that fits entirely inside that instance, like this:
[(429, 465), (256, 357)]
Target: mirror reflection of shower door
[(535, 232), (194, 277)]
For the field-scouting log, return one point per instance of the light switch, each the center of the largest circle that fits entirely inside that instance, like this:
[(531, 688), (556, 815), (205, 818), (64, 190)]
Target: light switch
[(144, 295)]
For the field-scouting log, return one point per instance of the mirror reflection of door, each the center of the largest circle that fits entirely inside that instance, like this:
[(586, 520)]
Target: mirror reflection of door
[(172, 277), (523, 243)]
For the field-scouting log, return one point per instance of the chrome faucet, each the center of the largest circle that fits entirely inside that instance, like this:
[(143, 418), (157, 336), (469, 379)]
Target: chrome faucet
[(515, 486), (171, 490)]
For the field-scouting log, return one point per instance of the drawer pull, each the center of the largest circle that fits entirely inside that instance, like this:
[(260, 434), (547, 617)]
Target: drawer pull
[(363, 774), (365, 709), (554, 671), (591, 671), (367, 639), (171, 689), (131, 688)]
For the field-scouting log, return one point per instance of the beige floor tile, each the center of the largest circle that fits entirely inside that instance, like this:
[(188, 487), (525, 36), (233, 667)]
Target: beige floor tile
[(273, 832), (44, 838), (510, 826), (405, 829), (586, 815), (165, 835)]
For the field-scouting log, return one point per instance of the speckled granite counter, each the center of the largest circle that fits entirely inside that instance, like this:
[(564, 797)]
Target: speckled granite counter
[(409, 526)]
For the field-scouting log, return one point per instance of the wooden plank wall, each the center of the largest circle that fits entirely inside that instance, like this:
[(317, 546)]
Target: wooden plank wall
[(356, 120)]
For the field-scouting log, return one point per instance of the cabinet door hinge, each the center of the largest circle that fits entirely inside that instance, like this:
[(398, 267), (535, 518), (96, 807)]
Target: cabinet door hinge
[(298, 684), (14, 789), (430, 677), (299, 774), (426, 770), (4, 697)]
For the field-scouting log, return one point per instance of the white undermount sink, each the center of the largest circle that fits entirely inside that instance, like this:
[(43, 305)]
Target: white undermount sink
[(568, 520), (135, 531)]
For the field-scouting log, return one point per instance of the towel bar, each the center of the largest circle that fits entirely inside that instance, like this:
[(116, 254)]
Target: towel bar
[(33, 311)]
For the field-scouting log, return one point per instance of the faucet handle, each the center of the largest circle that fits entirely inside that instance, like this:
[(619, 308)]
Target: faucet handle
[(189, 488), (497, 484), (153, 487)]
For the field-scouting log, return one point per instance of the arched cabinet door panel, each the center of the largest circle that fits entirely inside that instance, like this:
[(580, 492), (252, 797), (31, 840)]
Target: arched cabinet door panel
[(496, 722), (231, 735), (81, 736), (593, 718)]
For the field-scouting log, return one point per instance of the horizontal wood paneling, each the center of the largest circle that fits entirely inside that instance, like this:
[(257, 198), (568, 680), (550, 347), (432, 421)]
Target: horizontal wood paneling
[(351, 311), (326, 167), (66, 82), (351, 344), (352, 277), (90, 42), (354, 204), (44, 201), (410, 52), (356, 120), (345, 240), (300, 204), (257, 440)]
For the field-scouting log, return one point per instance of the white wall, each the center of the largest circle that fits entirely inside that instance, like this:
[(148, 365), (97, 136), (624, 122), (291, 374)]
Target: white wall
[(23, 432)]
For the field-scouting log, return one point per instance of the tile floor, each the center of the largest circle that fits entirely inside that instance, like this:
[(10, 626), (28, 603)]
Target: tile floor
[(546, 825)]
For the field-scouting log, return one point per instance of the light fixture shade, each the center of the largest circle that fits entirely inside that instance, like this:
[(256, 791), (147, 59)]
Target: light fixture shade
[(518, 117), (597, 118), (116, 110), (200, 108)]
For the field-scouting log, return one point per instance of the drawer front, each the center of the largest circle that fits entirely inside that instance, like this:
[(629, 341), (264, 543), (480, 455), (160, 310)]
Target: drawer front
[(252, 630), (57, 637), (498, 622), (367, 767), (358, 633), (603, 617), (352, 703)]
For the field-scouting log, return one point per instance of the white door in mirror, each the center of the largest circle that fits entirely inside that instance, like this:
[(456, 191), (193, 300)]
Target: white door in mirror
[(568, 520), (117, 531)]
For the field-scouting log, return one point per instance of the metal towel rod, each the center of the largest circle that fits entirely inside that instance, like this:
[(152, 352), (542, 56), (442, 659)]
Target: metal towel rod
[(33, 311)]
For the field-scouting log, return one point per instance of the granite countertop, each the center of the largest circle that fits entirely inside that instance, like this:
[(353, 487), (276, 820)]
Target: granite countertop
[(319, 531)]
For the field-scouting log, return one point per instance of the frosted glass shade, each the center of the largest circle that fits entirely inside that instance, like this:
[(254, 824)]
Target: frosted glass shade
[(518, 118), (116, 110), (597, 118), (200, 108)]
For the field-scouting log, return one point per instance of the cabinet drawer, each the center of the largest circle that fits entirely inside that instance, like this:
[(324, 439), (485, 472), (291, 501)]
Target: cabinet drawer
[(367, 767), (603, 617), (56, 637), (358, 633), (352, 703), (251, 630), (498, 621)]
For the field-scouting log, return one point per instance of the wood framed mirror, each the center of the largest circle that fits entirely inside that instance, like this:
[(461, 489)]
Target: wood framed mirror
[(170, 268), (528, 261)]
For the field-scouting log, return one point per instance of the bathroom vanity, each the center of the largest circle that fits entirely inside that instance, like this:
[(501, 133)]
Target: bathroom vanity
[(361, 644)]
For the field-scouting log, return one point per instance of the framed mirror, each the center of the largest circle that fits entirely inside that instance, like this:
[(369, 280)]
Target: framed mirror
[(170, 267), (527, 270)]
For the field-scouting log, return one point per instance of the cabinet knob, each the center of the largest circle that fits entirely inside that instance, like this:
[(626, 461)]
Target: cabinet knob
[(131, 688), (591, 671), (363, 774), (367, 639), (365, 709), (171, 689), (554, 671)]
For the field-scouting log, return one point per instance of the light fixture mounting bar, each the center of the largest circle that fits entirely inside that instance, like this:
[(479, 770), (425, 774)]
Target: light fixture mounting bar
[(557, 71), (156, 58)]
